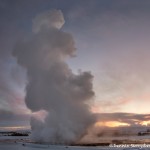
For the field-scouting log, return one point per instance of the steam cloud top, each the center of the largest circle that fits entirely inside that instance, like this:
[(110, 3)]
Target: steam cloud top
[(47, 20), (52, 86)]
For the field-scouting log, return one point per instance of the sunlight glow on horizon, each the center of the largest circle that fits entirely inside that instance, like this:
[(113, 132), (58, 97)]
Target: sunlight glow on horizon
[(111, 124), (145, 123), (14, 128)]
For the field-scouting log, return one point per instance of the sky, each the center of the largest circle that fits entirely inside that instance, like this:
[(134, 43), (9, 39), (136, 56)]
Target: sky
[(112, 40)]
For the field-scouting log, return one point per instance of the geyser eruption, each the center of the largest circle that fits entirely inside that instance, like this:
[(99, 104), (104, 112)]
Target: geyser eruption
[(52, 87)]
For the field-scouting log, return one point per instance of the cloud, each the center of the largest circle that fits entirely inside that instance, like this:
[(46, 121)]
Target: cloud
[(116, 32), (52, 86), (130, 118), (9, 119), (48, 20)]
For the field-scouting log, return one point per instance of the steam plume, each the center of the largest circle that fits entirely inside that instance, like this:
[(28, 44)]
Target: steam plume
[(52, 86)]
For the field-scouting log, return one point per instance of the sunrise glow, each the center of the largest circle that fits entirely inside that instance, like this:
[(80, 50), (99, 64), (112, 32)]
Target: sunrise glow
[(112, 124), (145, 123), (15, 128)]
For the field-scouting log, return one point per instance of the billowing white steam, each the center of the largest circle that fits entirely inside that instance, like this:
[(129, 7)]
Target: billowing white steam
[(52, 86)]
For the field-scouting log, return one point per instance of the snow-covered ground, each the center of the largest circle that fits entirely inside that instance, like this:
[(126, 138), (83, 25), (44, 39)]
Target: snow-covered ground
[(27, 146), (33, 146), (24, 143)]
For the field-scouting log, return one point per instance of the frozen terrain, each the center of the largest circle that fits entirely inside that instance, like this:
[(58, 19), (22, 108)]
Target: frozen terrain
[(8, 142), (27, 146), (24, 143)]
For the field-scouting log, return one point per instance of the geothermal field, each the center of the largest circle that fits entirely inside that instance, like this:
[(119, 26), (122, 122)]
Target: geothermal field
[(23, 143), (22, 140), (74, 74)]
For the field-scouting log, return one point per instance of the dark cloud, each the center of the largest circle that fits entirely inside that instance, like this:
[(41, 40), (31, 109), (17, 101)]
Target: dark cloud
[(6, 115)]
